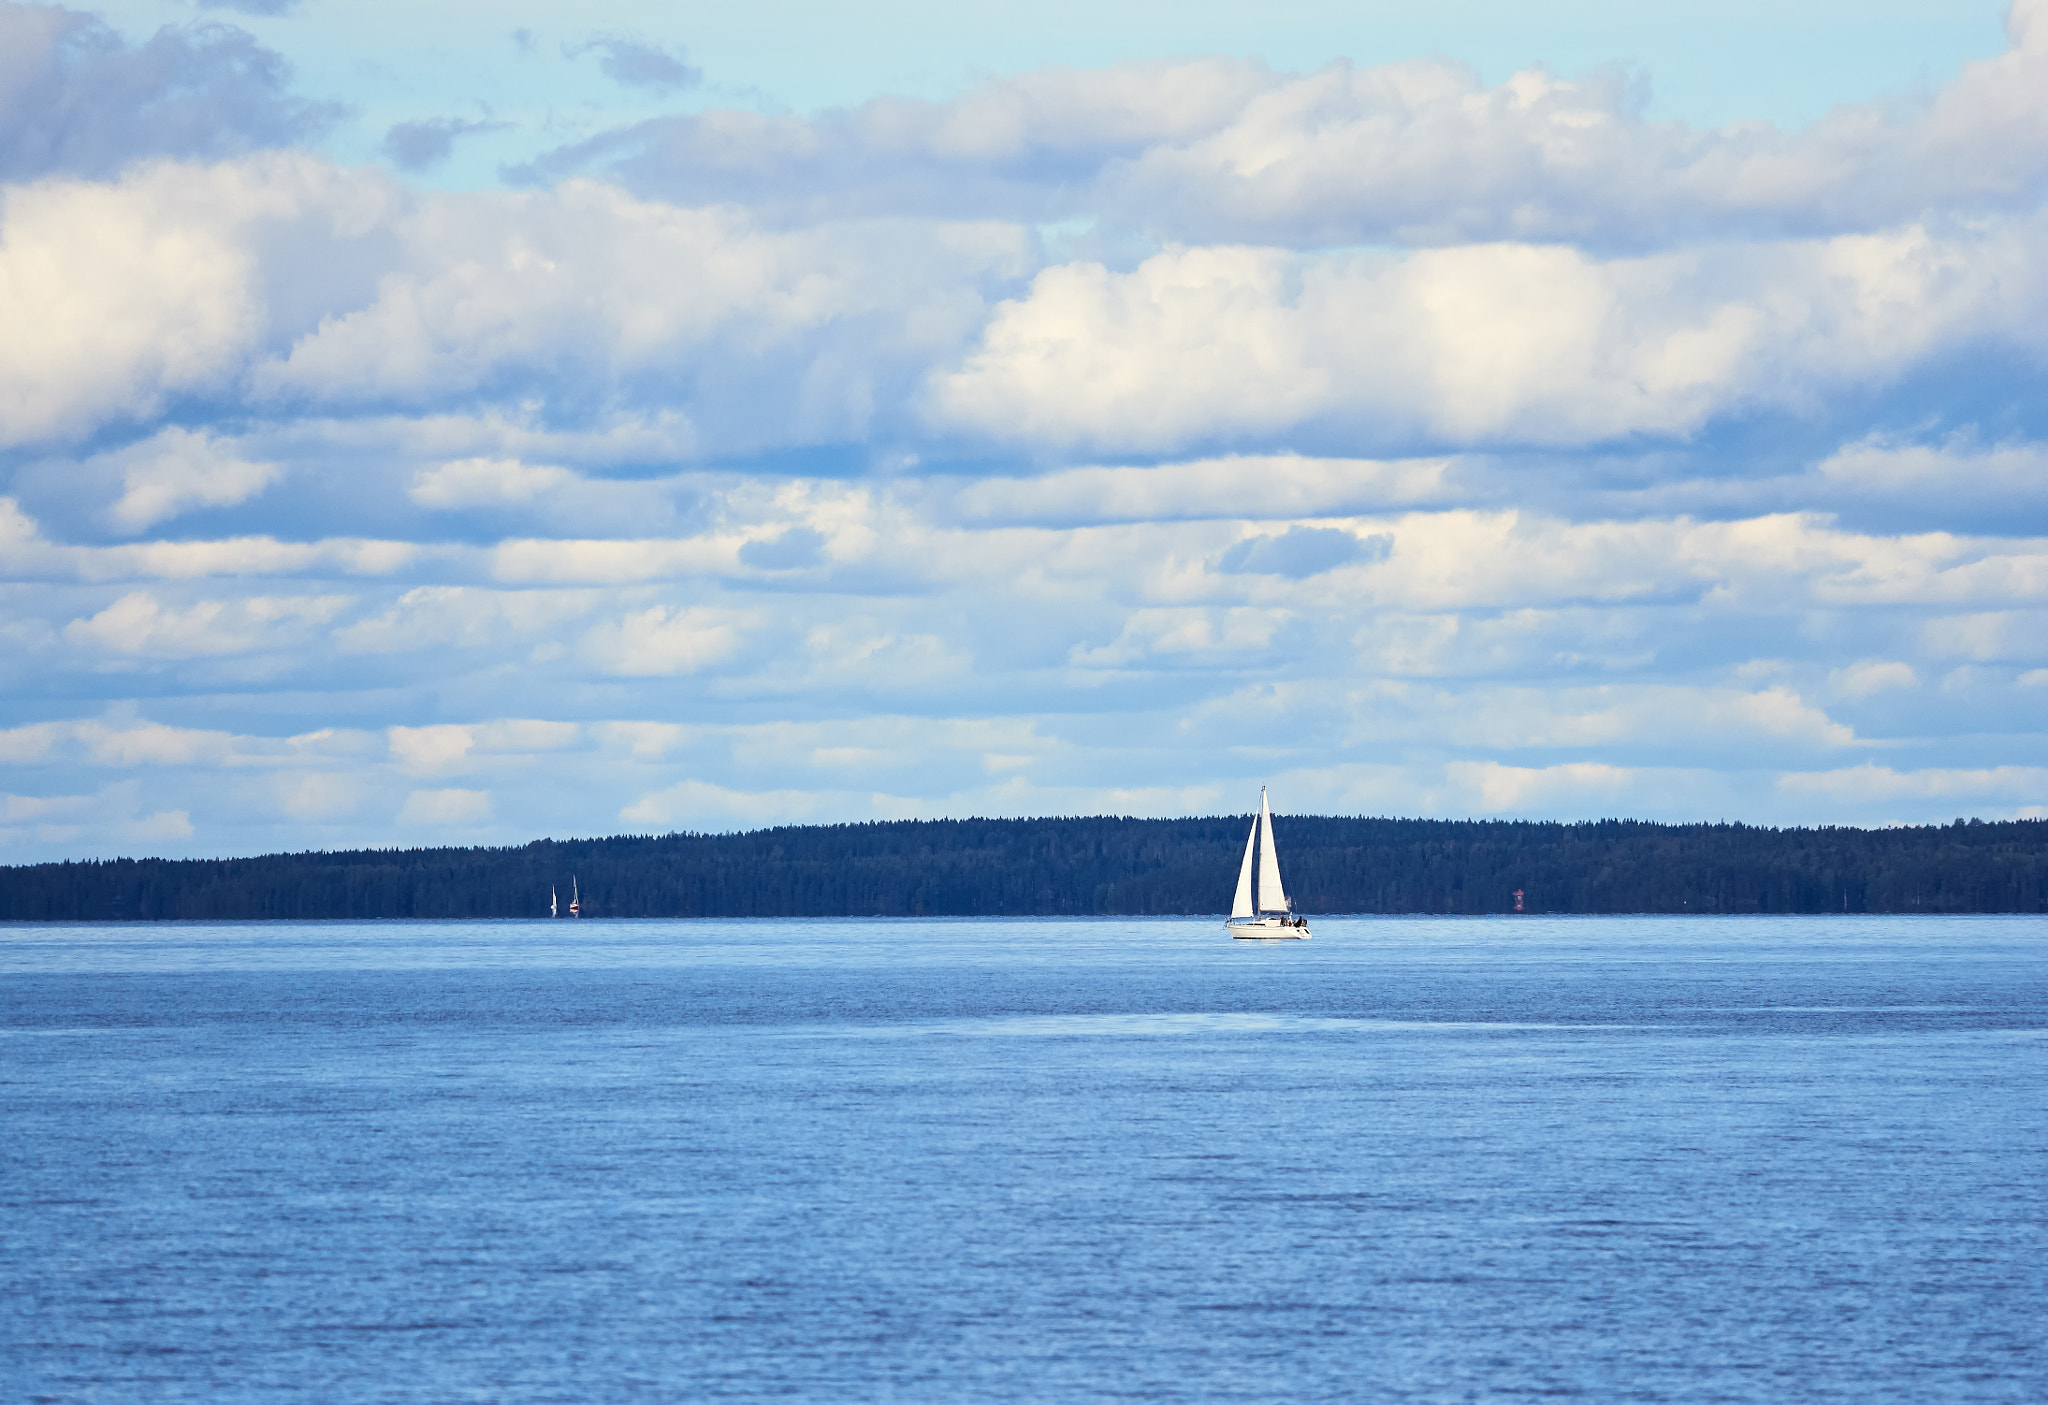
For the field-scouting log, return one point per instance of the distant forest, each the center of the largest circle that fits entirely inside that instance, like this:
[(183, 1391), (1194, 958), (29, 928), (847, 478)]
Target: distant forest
[(1088, 866)]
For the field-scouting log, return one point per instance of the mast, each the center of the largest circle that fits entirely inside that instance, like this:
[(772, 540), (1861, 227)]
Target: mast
[(1272, 897), (1241, 905)]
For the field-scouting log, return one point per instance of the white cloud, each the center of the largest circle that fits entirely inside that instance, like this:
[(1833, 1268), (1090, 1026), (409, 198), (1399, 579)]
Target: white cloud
[(451, 746), (152, 744), (1420, 152), (645, 741), (239, 556), (1495, 788), (662, 640), (486, 483), (2002, 635), (840, 497), (444, 616), (446, 807), (1482, 344), (1870, 783), (121, 295), (422, 750), (179, 469), (1957, 470), (1867, 676), (138, 624), (863, 652), (161, 826), (112, 810), (1670, 718), (584, 285), (528, 562), (132, 742), (318, 795), (1194, 636), (14, 809), (1258, 487), (699, 805), (31, 555)]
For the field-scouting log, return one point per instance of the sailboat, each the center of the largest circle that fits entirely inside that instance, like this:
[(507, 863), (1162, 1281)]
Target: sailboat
[(575, 899), (1268, 919), (552, 912)]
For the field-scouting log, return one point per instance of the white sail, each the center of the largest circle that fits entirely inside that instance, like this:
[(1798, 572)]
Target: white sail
[(1241, 905), (1272, 897)]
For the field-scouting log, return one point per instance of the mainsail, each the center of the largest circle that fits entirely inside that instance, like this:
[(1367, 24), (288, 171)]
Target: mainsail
[(1272, 897)]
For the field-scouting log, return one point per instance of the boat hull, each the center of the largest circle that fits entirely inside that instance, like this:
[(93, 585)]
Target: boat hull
[(1267, 929)]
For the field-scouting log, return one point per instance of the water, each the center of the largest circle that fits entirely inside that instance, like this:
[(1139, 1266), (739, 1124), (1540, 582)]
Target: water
[(1612, 1159)]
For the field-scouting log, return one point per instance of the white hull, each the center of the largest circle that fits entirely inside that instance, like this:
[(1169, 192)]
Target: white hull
[(1267, 929)]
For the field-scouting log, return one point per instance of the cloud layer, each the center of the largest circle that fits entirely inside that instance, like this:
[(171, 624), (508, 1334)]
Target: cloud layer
[(1112, 439)]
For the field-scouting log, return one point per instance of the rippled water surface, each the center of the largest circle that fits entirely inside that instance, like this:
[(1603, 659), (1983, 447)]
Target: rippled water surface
[(1419, 1160)]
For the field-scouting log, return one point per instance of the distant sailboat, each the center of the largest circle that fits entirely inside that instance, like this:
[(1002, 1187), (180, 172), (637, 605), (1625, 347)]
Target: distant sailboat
[(552, 900), (575, 898), (1268, 918)]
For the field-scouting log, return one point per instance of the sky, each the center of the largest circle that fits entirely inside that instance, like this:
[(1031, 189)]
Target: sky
[(459, 424)]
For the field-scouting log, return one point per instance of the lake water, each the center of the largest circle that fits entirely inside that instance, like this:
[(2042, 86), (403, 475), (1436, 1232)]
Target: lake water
[(1612, 1159)]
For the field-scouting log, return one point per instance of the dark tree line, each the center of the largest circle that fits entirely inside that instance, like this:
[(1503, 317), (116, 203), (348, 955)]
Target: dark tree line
[(1088, 866)]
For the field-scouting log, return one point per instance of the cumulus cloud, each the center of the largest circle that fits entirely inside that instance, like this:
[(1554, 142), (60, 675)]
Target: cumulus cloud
[(286, 283), (1475, 345), (1415, 443), (663, 640), (776, 337), (2006, 635), (442, 808), (167, 288), (447, 747), (319, 795), (1418, 152), (122, 741), (1188, 637), (1576, 785), (1956, 476), (76, 98), (1003, 150), (486, 483), (700, 805), (139, 624), (122, 296), (179, 469), (1868, 676), (1301, 552), (1257, 486), (64, 819), (442, 617), (787, 551), (1872, 782)]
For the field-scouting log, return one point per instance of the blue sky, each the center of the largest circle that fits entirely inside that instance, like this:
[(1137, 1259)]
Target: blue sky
[(458, 424)]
